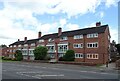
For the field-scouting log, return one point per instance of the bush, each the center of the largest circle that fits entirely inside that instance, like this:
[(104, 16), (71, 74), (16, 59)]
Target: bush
[(2, 57), (69, 55), (40, 53), (18, 55)]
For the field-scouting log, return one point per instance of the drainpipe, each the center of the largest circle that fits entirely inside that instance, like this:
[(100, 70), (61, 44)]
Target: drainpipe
[(28, 53), (84, 48), (56, 51)]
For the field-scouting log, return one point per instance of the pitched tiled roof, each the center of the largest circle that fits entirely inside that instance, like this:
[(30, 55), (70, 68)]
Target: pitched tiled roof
[(84, 31), (17, 43), (100, 29), (31, 41)]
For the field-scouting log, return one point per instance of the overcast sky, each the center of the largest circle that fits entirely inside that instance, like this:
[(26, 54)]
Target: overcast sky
[(25, 18)]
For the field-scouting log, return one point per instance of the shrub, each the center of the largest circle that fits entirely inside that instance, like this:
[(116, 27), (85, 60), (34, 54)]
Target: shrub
[(2, 57), (69, 55), (40, 53), (18, 55)]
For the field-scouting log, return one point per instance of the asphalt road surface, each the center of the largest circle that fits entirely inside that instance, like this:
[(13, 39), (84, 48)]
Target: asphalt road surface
[(27, 70)]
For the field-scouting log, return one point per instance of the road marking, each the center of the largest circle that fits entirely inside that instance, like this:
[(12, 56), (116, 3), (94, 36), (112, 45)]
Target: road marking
[(49, 75), (44, 67), (29, 72), (64, 69), (26, 74)]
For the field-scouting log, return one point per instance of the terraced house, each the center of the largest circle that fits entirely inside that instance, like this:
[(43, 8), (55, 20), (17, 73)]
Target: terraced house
[(90, 44)]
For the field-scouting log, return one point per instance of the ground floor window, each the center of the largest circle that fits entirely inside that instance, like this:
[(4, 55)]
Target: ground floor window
[(78, 55), (92, 56), (52, 55)]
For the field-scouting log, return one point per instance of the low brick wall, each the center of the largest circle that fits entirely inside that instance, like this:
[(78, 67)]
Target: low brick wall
[(62, 62), (77, 63)]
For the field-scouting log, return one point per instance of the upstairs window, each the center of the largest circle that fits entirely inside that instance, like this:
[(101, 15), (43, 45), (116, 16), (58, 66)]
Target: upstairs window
[(92, 45), (19, 45), (94, 35), (78, 37), (78, 45), (26, 45), (63, 38), (33, 44), (14, 45), (10, 46), (41, 40), (50, 39)]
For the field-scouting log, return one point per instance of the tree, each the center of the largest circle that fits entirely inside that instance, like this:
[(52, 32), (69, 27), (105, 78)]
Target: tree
[(18, 55), (69, 55), (40, 53), (118, 48), (3, 46)]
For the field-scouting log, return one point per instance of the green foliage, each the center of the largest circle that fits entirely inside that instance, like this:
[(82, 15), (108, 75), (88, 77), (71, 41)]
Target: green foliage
[(3, 46), (40, 53), (69, 55), (18, 55)]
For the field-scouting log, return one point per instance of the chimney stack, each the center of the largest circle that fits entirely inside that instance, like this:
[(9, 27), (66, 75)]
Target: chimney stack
[(25, 39), (18, 39), (59, 31), (98, 23), (39, 34)]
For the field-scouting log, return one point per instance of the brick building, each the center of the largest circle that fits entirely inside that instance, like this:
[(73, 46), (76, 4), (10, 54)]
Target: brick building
[(4, 51), (90, 44)]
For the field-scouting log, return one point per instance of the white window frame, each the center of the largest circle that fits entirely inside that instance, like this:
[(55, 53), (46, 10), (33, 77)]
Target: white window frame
[(93, 45), (93, 35), (10, 46), (41, 40), (19, 45), (25, 44), (31, 52), (80, 45), (64, 38), (50, 46), (14, 45), (63, 50), (50, 39), (92, 56), (24, 51), (78, 55), (78, 36), (40, 45), (33, 44)]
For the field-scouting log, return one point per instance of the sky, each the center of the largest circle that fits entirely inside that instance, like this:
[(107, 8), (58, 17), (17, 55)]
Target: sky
[(25, 18)]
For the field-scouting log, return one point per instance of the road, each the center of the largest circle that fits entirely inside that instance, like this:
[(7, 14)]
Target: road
[(27, 70)]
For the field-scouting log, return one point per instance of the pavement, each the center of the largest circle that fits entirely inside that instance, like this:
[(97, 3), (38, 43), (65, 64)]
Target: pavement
[(27, 70)]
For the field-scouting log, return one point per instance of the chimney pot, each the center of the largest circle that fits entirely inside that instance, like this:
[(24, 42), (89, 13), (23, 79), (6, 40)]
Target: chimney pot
[(25, 39), (39, 34), (59, 31), (98, 23), (18, 39)]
